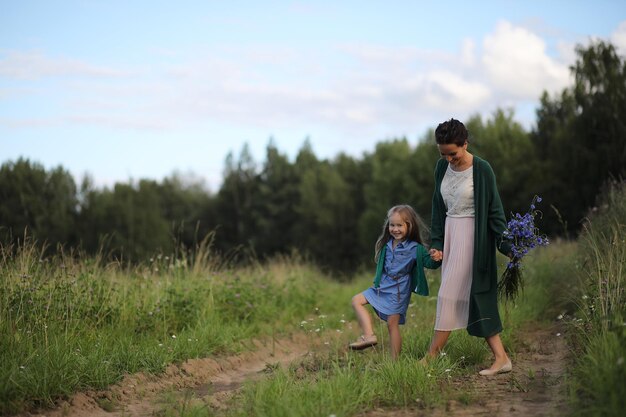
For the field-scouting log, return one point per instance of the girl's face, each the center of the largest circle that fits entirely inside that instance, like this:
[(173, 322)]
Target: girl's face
[(397, 227), (452, 153)]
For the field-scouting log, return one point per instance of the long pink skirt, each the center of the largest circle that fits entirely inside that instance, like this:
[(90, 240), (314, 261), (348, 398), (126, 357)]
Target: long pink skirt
[(456, 274)]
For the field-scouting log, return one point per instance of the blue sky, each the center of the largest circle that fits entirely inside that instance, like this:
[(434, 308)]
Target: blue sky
[(123, 90)]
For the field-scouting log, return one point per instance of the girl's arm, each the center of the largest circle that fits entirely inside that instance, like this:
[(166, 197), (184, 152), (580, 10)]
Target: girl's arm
[(427, 261)]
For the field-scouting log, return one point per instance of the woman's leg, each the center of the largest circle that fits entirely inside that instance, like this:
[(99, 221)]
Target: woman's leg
[(395, 338), (440, 338), (363, 316), (501, 361)]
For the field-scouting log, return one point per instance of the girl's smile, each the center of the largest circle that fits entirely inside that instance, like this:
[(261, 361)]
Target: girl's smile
[(397, 227)]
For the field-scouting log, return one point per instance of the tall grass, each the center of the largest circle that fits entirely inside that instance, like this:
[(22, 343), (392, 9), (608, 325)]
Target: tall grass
[(70, 323), (599, 326), (344, 383)]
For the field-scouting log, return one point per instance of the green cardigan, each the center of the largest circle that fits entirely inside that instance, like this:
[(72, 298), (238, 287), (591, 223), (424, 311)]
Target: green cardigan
[(490, 222), (418, 279)]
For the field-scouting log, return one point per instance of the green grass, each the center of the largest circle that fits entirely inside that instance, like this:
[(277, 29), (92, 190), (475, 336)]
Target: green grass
[(598, 319), (69, 324), (346, 383)]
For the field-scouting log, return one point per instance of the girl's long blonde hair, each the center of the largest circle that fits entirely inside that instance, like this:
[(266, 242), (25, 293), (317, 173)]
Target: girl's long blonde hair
[(416, 229)]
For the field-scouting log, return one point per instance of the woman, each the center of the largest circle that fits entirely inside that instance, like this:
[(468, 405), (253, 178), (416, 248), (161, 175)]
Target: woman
[(467, 225)]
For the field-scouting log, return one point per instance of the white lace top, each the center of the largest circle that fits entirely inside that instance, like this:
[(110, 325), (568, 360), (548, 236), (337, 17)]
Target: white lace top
[(457, 190)]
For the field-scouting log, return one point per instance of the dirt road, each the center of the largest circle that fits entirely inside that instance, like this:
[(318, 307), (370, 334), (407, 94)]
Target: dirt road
[(533, 388)]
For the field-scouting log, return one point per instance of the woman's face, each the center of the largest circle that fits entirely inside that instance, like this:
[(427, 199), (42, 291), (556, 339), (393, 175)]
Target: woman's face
[(452, 153)]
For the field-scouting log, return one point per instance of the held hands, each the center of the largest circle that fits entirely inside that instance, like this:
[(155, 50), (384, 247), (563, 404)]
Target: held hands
[(436, 255)]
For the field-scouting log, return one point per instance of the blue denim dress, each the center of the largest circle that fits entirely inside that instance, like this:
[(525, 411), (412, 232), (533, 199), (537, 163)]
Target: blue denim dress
[(394, 293)]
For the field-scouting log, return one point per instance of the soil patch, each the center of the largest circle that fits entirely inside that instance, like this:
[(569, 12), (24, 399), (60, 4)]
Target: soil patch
[(138, 394), (535, 387)]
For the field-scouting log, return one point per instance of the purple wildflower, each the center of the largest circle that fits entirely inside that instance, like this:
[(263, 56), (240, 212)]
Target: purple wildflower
[(524, 236)]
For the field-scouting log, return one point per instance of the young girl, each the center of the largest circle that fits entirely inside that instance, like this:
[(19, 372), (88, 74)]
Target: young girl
[(400, 258)]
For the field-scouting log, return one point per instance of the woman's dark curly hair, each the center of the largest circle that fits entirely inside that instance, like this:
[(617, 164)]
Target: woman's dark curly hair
[(451, 131)]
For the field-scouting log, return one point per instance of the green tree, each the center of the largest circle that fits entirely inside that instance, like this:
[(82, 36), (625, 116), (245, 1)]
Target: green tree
[(391, 184), (353, 252), (235, 216), (275, 205), (128, 219), (186, 205), (507, 147), (325, 205), (44, 203), (580, 133), (421, 171)]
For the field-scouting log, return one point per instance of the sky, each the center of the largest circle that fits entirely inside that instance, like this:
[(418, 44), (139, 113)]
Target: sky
[(127, 90)]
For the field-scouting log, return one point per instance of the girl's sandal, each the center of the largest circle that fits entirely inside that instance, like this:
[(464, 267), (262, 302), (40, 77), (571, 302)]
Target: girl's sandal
[(364, 342)]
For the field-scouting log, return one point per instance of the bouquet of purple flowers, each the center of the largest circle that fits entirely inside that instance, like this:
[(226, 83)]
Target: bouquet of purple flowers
[(524, 236)]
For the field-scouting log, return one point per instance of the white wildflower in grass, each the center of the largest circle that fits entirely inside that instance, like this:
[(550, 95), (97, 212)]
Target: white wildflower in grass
[(524, 236), (559, 317), (558, 335), (442, 353)]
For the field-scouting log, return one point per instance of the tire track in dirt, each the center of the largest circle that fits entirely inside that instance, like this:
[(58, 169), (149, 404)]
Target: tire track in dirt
[(535, 387), (217, 378)]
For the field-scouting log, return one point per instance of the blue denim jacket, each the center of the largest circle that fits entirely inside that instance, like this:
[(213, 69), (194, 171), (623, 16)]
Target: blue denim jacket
[(418, 279)]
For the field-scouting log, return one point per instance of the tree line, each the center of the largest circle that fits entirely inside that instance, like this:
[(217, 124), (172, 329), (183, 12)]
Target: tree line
[(331, 210)]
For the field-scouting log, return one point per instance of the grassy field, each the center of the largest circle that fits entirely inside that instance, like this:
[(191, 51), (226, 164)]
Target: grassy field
[(598, 318), (70, 323)]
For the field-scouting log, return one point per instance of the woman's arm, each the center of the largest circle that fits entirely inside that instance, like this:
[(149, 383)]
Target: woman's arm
[(496, 217), (437, 221)]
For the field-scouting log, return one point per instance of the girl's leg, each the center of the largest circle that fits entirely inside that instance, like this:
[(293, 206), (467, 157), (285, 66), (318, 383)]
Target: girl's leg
[(363, 316), (440, 338), (393, 324)]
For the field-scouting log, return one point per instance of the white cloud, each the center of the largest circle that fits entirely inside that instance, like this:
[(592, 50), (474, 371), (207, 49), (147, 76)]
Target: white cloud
[(34, 65), (29, 123), (618, 38), (518, 65), (448, 91), (350, 90), (468, 52)]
